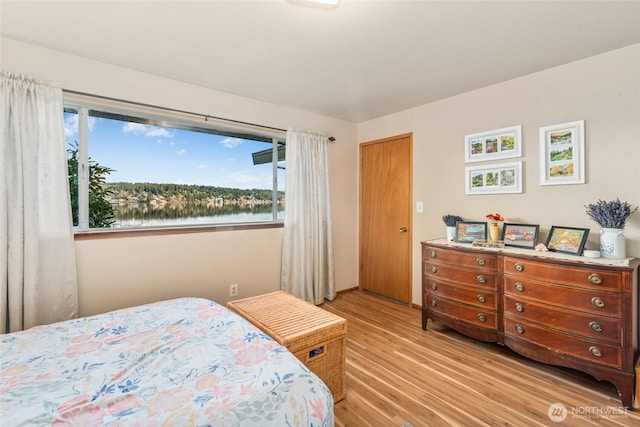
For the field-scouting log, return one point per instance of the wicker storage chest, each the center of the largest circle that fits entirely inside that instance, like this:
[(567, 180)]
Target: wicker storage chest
[(312, 334)]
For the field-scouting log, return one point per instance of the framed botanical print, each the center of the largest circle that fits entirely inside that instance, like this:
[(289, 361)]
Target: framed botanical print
[(494, 144), (562, 154)]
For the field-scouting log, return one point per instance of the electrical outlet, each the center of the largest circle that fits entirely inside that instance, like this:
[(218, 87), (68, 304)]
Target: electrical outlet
[(233, 290)]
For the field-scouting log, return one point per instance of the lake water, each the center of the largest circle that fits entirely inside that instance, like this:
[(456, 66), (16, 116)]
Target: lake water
[(148, 216)]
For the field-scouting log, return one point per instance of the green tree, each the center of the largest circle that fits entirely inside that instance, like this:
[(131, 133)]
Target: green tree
[(101, 213)]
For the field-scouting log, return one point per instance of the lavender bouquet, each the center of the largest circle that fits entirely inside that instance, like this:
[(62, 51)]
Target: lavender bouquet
[(450, 220), (611, 214)]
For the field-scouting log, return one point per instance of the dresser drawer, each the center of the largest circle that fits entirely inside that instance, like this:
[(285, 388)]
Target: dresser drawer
[(583, 348), (604, 303), (587, 277), (584, 324), (481, 298), (483, 279), (472, 315), (459, 258)]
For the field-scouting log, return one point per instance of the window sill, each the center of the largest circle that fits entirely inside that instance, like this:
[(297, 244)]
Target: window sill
[(162, 231)]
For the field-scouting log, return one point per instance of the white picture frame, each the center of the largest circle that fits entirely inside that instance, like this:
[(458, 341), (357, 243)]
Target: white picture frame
[(562, 154), (494, 144), (494, 178)]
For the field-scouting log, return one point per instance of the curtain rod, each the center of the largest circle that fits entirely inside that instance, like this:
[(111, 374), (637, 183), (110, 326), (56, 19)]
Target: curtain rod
[(174, 110)]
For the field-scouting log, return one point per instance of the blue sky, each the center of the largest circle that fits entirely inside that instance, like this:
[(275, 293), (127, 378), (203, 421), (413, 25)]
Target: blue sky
[(144, 153)]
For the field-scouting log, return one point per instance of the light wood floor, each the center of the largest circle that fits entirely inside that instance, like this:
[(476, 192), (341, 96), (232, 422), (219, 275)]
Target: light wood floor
[(400, 375)]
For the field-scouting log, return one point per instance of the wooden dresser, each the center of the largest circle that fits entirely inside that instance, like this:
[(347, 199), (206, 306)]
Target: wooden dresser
[(554, 308)]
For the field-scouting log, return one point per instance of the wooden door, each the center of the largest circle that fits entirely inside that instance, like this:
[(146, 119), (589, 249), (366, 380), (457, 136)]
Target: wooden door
[(385, 217)]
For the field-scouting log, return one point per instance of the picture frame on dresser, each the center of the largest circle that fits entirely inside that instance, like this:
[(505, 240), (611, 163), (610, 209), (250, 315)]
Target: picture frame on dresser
[(568, 240), (469, 231), (520, 235)]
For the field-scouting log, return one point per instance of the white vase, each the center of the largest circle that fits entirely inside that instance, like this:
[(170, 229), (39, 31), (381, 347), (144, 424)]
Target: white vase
[(451, 233), (612, 243)]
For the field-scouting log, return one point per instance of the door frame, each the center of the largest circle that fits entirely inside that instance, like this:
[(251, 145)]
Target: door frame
[(409, 265)]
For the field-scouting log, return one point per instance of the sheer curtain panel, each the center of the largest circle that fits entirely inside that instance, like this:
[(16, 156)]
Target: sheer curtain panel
[(38, 282), (307, 251)]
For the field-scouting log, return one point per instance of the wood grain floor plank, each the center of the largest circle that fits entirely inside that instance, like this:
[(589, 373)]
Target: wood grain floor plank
[(399, 375)]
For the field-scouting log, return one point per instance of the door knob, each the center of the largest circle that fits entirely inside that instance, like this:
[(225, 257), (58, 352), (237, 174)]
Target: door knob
[(403, 229)]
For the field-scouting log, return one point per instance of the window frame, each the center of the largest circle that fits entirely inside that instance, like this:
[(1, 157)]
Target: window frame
[(158, 116)]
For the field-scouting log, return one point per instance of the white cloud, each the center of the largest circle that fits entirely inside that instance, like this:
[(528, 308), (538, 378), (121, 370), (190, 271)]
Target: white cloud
[(231, 142), (202, 167), (245, 179), (145, 130), (71, 124), (181, 152), (136, 128), (159, 132)]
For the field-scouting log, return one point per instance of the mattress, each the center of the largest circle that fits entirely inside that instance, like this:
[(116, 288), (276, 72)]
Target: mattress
[(187, 361)]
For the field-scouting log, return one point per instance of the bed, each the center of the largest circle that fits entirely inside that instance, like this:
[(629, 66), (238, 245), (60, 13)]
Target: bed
[(187, 361)]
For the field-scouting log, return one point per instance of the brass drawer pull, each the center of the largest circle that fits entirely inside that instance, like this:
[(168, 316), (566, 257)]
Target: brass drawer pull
[(434, 303), (520, 329), (595, 351), (480, 261), (597, 327), (519, 267), (481, 279), (519, 307), (481, 298), (597, 302), (519, 287), (434, 269), (481, 317), (433, 254), (434, 286), (595, 279)]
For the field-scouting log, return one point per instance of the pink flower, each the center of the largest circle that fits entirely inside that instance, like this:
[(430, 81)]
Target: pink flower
[(78, 411), (219, 407), (126, 402), (206, 311), (81, 345), (317, 407), (251, 355), (167, 401)]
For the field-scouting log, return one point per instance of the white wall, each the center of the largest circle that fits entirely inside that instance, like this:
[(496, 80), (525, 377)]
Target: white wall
[(120, 272), (603, 90)]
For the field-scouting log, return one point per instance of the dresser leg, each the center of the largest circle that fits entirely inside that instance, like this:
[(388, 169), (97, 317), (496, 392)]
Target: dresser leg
[(625, 391)]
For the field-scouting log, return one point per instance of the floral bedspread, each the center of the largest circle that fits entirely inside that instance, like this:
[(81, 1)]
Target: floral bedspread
[(183, 362)]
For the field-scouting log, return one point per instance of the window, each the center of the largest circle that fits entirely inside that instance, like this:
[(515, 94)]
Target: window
[(134, 170)]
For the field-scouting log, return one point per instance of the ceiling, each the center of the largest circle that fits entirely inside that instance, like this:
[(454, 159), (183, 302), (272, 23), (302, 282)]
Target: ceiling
[(357, 61)]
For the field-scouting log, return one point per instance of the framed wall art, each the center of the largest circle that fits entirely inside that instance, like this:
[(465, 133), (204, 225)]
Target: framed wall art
[(562, 154), (494, 178), (468, 231), (520, 235), (569, 240), (494, 144)]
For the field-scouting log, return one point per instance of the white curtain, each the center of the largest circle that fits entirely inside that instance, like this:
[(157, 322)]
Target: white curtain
[(307, 251), (38, 282)]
